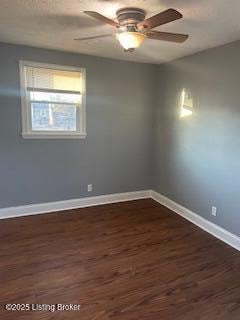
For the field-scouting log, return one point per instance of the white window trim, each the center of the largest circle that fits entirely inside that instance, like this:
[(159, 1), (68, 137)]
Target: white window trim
[(27, 132)]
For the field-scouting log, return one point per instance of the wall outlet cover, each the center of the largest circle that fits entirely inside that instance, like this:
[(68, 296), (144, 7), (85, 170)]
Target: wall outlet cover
[(214, 211)]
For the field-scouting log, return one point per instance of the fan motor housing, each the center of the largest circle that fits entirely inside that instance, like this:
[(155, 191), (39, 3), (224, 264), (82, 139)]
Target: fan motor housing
[(130, 16)]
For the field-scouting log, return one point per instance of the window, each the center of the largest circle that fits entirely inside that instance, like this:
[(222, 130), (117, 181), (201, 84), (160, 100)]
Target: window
[(186, 104), (53, 101)]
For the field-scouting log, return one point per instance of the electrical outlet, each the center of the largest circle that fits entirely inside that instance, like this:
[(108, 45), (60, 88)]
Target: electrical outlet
[(214, 211), (89, 188)]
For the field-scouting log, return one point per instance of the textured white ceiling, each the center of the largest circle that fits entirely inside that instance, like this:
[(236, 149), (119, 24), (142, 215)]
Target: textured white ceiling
[(55, 23)]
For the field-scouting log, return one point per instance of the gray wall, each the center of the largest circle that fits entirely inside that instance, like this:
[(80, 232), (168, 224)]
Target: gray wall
[(136, 139), (197, 159), (115, 156)]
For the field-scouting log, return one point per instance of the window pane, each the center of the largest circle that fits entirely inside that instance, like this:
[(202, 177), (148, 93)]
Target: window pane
[(55, 97), (53, 117)]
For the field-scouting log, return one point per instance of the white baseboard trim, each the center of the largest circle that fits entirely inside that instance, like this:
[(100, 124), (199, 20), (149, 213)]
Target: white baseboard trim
[(32, 209), (218, 232)]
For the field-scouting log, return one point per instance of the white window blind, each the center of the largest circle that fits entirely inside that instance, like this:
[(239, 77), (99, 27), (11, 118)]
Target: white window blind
[(53, 99)]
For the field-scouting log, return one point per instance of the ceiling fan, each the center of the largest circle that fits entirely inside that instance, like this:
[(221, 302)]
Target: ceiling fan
[(132, 27)]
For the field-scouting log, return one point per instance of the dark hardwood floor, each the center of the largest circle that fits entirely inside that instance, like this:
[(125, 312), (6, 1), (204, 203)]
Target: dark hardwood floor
[(131, 261)]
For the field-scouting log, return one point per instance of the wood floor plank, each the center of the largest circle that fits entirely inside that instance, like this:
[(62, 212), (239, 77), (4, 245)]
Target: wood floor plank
[(125, 261)]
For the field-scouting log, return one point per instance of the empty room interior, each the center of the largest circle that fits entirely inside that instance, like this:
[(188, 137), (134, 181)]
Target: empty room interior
[(119, 160)]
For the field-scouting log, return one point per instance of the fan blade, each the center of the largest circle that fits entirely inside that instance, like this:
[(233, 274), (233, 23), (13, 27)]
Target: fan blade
[(160, 19), (167, 36), (102, 18), (95, 37)]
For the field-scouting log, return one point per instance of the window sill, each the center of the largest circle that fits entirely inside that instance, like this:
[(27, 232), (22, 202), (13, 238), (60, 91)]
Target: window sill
[(31, 135)]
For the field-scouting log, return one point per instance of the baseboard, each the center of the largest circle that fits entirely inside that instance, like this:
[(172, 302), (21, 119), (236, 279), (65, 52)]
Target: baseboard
[(32, 209), (218, 232)]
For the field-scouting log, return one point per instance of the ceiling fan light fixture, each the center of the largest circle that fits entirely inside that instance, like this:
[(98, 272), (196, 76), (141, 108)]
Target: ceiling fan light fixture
[(132, 27), (130, 40)]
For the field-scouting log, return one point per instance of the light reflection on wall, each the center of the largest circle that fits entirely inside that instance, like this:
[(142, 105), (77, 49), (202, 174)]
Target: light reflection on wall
[(186, 104)]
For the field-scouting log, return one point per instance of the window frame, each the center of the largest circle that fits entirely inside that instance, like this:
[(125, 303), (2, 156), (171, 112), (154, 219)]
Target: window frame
[(27, 132)]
